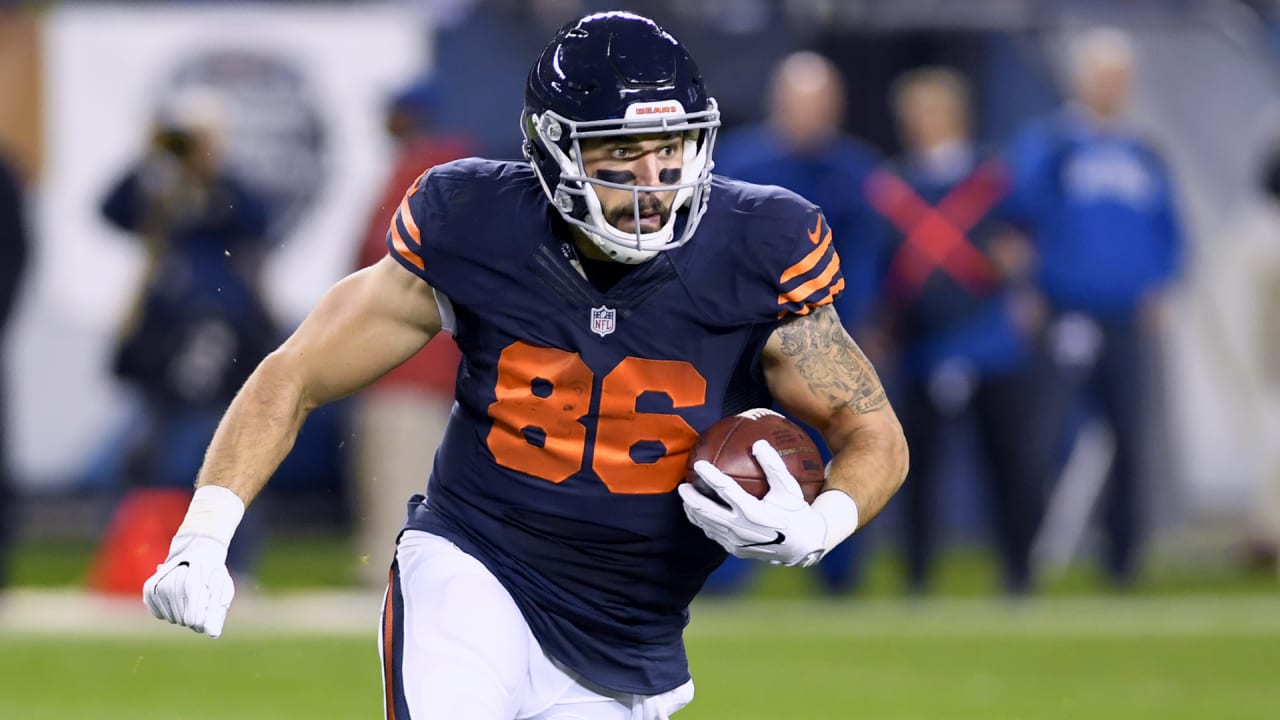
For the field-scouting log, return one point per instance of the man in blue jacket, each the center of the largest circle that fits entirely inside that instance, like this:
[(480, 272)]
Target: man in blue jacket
[(800, 146), (1102, 205), (957, 309)]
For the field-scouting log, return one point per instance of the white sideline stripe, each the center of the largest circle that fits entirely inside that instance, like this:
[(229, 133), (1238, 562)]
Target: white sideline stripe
[(76, 613), (1189, 616), (73, 612)]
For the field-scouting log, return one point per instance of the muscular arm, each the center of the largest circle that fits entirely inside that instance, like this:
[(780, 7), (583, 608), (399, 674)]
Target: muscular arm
[(365, 325), (818, 374)]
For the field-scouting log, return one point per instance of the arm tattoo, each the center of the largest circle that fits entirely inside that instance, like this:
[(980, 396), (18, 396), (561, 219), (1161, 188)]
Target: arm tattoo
[(831, 362)]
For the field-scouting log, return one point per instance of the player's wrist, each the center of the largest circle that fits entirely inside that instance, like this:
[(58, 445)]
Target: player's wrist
[(840, 512), (214, 512)]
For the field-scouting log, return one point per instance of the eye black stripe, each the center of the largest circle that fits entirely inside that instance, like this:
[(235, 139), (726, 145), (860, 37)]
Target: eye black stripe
[(622, 177)]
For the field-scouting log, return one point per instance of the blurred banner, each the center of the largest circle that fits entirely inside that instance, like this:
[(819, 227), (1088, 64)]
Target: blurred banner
[(304, 89), (302, 92)]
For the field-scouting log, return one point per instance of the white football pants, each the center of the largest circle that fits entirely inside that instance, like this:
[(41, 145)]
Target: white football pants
[(454, 646)]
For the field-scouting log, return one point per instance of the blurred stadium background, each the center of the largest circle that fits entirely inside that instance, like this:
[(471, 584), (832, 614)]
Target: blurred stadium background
[(305, 88)]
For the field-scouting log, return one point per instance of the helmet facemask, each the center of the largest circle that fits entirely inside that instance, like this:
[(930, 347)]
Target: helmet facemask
[(574, 196)]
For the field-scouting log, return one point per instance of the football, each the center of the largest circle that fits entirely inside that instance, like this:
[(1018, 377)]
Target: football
[(727, 445)]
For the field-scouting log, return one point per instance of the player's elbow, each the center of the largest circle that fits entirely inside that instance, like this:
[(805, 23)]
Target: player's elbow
[(278, 382), (897, 454), (879, 438)]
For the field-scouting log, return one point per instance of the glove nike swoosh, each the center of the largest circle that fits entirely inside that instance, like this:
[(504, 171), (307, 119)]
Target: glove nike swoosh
[(777, 540)]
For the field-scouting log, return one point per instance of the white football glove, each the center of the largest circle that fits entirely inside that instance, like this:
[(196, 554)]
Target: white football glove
[(781, 528), (192, 587)]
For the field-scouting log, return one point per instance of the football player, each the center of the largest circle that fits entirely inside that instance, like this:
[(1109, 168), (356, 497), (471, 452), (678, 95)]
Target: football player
[(611, 298)]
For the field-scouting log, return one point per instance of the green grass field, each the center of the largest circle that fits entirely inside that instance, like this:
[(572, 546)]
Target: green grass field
[(1183, 646), (1165, 658)]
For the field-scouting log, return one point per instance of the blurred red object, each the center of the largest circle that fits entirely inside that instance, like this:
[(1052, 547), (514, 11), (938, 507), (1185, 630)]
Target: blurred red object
[(137, 539)]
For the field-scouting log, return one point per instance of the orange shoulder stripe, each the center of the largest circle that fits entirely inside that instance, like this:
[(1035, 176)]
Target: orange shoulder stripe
[(824, 300), (413, 189), (803, 291), (397, 241), (835, 290), (808, 262), (411, 226)]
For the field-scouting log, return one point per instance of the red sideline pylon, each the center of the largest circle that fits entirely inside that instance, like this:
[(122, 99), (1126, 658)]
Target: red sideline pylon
[(137, 539)]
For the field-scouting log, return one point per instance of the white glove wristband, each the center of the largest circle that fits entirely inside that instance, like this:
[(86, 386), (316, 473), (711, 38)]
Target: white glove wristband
[(841, 514), (215, 512)]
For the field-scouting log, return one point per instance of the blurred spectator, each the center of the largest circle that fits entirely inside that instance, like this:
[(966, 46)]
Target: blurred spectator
[(1262, 538), (200, 325), (400, 419), (1102, 205), (958, 309), (800, 146), (13, 257)]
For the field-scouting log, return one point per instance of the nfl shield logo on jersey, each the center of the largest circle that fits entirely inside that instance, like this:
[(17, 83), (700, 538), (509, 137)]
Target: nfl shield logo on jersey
[(603, 320)]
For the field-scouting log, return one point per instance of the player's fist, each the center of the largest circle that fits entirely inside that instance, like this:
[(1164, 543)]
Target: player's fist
[(192, 587)]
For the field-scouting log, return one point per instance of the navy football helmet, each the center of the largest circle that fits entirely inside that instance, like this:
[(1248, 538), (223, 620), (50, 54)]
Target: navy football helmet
[(611, 74)]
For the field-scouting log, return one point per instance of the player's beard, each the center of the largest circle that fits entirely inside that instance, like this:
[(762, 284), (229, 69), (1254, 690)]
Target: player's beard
[(649, 205)]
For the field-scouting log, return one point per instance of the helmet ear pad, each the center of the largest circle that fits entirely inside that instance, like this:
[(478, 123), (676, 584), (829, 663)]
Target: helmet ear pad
[(537, 133), (535, 150)]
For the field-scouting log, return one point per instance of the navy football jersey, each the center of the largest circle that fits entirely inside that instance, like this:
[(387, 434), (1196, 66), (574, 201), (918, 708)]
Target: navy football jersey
[(576, 409)]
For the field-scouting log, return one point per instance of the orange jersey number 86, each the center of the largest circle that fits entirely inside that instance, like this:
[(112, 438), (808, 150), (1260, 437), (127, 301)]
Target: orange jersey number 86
[(542, 394)]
